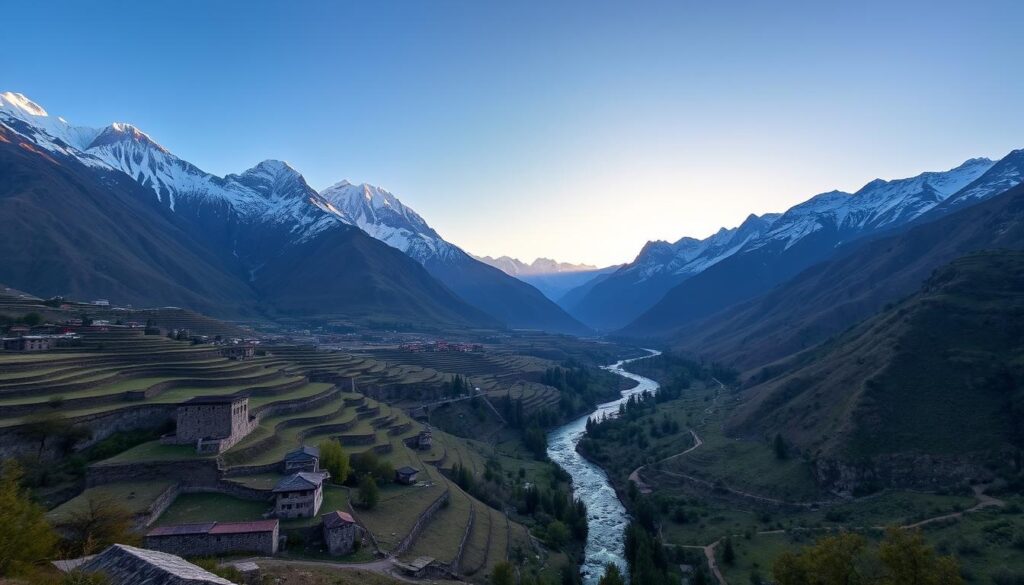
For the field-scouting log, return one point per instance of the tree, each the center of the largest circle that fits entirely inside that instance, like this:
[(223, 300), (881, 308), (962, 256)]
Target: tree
[(780, 447), (612, 575), (907, 559), (728, 552), (334, 459), (25, 537), (558, 534), (502, 574), (101, 523), (902, 558), (369, 493)]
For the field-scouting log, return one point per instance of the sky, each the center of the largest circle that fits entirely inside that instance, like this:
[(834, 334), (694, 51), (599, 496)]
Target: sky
[(570, 130)]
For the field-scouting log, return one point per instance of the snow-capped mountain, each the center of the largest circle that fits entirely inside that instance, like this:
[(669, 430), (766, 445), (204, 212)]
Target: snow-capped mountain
[(822, 228), (804, 234), (262, 215), (253, 241), (270, 192), (540, 266), (385, 217), (380, 214), (551, 277)]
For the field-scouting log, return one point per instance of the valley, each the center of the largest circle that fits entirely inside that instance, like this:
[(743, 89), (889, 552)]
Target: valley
[(547, 294)]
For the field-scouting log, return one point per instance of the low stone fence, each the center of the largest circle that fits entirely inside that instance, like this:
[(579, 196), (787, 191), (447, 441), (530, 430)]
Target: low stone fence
[(295, 404), (191, 473), (421, 522), (243, 470), (357, 439)]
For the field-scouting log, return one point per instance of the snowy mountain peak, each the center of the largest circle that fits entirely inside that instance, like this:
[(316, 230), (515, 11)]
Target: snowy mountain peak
[(11, 101), (385, 217), (123, 132)]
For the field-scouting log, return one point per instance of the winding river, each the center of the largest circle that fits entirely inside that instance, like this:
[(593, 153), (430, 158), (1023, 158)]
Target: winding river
[(605, 514)]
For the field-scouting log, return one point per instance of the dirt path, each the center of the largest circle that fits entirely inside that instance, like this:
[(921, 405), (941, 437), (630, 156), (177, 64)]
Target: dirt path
[(635, 476), (984, 501)]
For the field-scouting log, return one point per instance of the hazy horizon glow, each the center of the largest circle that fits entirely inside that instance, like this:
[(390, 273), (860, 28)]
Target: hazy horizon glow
[(575, 130)]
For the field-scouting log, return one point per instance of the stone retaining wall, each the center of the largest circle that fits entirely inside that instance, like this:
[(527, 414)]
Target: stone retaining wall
[(421, 522)]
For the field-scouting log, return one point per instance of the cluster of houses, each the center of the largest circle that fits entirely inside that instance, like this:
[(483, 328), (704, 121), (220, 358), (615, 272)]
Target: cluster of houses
[(23, 338), (300, 494), (440, 346)]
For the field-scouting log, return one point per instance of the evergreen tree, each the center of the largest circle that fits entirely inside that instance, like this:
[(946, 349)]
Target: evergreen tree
[(25, 537), (612, 576)]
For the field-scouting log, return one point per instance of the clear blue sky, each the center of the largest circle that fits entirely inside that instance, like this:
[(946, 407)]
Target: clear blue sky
[(576, 130)]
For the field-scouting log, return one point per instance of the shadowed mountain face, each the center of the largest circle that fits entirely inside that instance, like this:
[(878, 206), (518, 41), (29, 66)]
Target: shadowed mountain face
[(815, 231), (109, 213), (931, 387), (512, 301), (833, 295)]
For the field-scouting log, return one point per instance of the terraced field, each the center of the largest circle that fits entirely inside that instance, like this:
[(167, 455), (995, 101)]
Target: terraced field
[(299, 396)]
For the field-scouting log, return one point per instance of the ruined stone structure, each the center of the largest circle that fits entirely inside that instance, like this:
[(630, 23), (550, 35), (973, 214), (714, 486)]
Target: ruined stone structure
[(299, 495), (213, 423), (341, 533), (216, 538), (242, 351)]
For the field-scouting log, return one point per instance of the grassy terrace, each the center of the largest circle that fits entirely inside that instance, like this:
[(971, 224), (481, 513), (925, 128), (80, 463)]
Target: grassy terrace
[(135, 362), (135, 497)]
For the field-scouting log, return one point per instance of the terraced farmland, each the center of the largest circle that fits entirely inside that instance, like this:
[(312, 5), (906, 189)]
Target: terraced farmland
[(123, 380)]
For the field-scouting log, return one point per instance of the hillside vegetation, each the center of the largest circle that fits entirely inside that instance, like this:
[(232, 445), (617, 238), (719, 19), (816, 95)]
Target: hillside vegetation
[(933, 382)]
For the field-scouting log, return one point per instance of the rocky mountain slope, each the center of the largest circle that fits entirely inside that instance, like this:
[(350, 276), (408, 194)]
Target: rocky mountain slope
[(813, 232), (275, 245), (383, 216), (930, 390), (770, 248), (831, 296)]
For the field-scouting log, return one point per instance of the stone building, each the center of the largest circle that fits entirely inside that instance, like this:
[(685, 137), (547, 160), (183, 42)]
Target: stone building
[(341, 533), (305, 458), (240, 351), (425, 439), (299, 495), (127, 565), (213, 423), (406, 475), (216, 538), (27, 343)]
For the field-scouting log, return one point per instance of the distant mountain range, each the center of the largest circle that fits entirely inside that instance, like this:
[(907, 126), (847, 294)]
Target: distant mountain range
[(670, 284), (276, 245), (551, 277)]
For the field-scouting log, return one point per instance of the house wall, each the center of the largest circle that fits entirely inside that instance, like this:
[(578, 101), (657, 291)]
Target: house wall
[(198, 545), (341, 541), (294, 505)]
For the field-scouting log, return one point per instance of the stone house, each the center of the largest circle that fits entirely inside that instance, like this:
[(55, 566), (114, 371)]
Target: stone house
[(425, 439), (299, 495), (305, 458), (128, 565), (216, 538), (406, 475), (341, 533), (241, 351), (27, 343), (213, 423)]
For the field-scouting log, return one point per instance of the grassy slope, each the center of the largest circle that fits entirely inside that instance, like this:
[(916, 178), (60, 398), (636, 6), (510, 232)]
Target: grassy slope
[(934, 374)]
